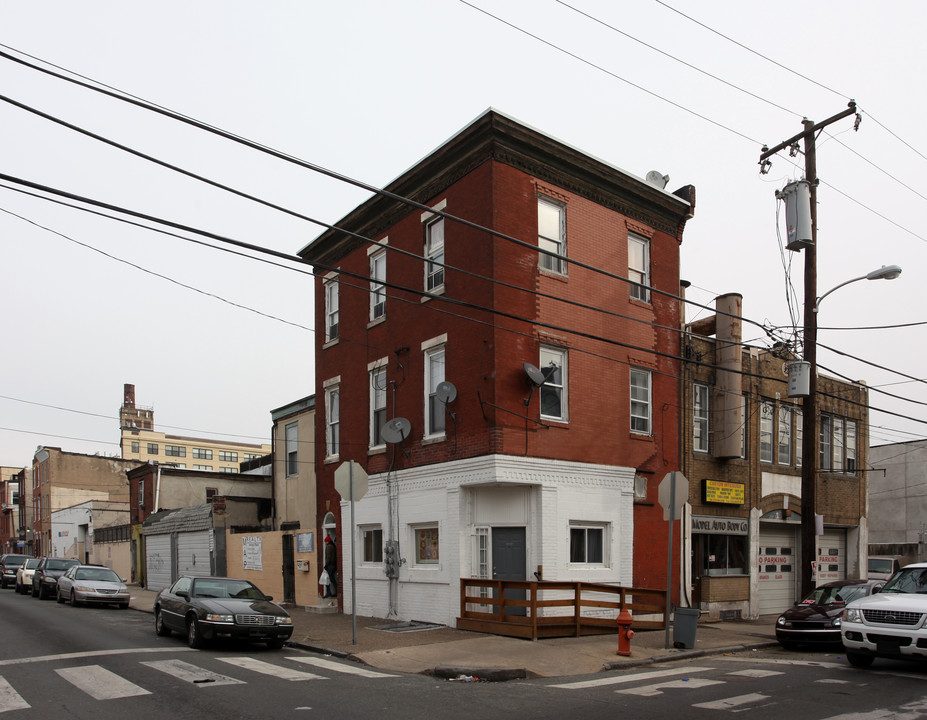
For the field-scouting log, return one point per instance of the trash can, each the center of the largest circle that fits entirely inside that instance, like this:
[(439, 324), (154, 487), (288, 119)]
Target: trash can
[(685, 620)]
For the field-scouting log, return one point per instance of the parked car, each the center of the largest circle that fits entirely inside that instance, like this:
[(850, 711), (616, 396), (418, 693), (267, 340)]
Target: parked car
[(92, 584), (8, 566), (891, 624), (24, 575), (882, 568), (816, 618), (212, 608), (46, 574)]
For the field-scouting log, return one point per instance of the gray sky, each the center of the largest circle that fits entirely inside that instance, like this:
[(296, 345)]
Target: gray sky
[(367, 89)]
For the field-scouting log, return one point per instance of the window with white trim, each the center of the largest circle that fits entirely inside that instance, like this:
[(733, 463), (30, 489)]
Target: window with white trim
[(839, 443), (434, 255), (700, 418), (425, 538), (851, 447), (827, 440), (639, 266), (799, 430), (371, 543), (587, 544), (377, 287), (291, 433), (332, 420), (784, 434), (767, 414), (331, 309), (434, 376), (640, 401), (551, 235), (553, 364), (377, 404)]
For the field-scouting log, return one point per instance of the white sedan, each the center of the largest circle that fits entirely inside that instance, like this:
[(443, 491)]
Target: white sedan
[(92, 584)]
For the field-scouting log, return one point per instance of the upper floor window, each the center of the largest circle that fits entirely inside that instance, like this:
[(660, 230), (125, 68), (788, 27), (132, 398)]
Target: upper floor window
[(700, 418), (640, 401), (377, 404), (135, 446), (837, 451), (767, 415), (377, 287), (332, 420), (228, 456), (152, 448), (554, 389), (850, 447), (291, 433), (551, 235), (331, 310), (639, 266), (175, 451), (799, 430), (434, 255), (785, 435), (434, 376), (202, 453)]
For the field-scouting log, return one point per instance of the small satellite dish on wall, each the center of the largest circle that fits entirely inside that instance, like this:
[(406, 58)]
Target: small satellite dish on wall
[(396, 430), (446, 392), (534, 375), (657, 179)]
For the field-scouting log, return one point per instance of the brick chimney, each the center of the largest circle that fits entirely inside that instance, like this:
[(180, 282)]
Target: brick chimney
[(128, 396)]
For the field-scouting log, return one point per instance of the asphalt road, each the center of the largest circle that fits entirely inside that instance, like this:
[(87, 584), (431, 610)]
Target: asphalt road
[(101, 663)]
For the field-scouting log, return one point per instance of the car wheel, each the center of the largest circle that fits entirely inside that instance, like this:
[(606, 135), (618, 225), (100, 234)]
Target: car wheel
[(860, 660), (58, 595), (35, 590), (275, 644), (194, 639), (18, 588), (160, 628), (42, 592), (123, 606), (73, 599), (786, 645)]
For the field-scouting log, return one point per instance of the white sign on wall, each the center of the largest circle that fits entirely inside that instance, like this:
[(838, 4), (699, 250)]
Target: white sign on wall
[(252, 552)]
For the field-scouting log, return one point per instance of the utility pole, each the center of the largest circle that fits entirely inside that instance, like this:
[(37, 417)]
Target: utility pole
[(809, 453)]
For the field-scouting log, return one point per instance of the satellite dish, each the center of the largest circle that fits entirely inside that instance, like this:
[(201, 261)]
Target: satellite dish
[(446, 392), (396, 430), (535, 375), (657, 179)]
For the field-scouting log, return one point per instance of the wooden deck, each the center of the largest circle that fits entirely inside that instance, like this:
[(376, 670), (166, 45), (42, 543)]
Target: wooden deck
[(546, 609)]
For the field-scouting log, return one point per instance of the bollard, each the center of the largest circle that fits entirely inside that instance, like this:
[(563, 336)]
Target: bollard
[(625, 633)]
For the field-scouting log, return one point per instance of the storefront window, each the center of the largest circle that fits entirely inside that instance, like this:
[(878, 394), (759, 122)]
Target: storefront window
[(723, 554)]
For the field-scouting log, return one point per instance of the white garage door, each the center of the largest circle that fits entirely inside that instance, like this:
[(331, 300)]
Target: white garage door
[(832, 556), (157, 562), (194, 553), (778, 567)]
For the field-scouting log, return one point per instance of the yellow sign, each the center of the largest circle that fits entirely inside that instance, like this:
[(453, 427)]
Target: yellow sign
[(724, 492)]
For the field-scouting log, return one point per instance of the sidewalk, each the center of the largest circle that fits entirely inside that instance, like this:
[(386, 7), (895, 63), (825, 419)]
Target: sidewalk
[(448, 652)]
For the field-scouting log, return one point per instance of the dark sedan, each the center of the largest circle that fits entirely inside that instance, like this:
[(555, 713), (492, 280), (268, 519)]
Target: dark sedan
[(816, 618), (212, 608), (47, 572)]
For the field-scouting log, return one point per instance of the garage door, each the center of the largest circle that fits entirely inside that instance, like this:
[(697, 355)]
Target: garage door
[(832, 556), (778, 567), (194, 553), (158, 562)]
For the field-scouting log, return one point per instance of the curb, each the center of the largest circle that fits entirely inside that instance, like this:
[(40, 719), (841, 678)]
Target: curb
[(688, 655), (501, 674)]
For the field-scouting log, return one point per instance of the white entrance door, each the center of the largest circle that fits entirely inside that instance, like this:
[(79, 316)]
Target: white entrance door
[(778, 567)]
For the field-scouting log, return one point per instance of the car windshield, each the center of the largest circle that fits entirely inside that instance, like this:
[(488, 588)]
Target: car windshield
[(59, 564), (211, 588), (31, 563), (96, 574), (881, 565), (15, 560), (909, 580), (837, 594)]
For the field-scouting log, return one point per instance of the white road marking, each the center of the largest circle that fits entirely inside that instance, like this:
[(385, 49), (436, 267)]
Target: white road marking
[(658, 688), (756, 673), (9, 698), (833, 681), (267, 668), (99, 683), (773, 661), (340, 667), (91, 653), (192, 674), (618, 679), (732, 702)]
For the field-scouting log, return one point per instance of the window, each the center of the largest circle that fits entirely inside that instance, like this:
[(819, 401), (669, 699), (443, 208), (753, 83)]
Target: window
[(202, 467), (331, 309), (227, 470), (587, 545), (377, 288), (291, 433), (551, 235), (434, 255), (202, 454), (785, 435), (767, 413), (837, 463), (838, 444), (251, 456), (426, 545), (434, 376), (639, 267), (826, 453), (135, 446), (851, 447), (152, 448), (377, 404), (175, 451), (553, 391), (700, 418), (799, 429), (372, 543), (743, 426), (640, 401), (227, 456), (723, 554), (332, 420)]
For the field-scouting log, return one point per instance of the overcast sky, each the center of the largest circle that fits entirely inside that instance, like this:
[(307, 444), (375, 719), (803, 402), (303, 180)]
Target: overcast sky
[(214, 341)]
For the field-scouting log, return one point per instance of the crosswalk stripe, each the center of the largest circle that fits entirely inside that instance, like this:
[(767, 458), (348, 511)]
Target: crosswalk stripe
[(340, 667), (658, 688), (192, 674), (756, 673), (618, 679), (732, 702), (99, 683), (266, 668), (9, 698)]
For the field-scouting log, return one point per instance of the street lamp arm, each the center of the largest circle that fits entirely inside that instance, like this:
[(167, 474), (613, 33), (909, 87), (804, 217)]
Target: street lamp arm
[(886, 272)]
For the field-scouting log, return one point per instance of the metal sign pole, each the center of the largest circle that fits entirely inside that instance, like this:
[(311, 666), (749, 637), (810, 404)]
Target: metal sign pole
[(353, 565), (669, 560)]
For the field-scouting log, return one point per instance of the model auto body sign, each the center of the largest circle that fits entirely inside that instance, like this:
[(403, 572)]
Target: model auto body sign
[(710, 525)]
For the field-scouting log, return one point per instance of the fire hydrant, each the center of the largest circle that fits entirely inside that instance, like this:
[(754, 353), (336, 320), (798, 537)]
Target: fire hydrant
[(625, 633)]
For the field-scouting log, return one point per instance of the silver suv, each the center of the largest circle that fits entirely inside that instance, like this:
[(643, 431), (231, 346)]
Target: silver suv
[(890, 624)]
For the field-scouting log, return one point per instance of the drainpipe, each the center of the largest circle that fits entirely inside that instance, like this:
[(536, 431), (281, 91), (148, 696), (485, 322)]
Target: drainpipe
[(157, 497)]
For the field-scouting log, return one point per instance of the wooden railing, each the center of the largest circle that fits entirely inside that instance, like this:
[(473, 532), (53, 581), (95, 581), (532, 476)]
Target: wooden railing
[(545, 609)]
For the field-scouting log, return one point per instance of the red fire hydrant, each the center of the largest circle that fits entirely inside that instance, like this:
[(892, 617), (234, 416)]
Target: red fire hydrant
[(625, 633)]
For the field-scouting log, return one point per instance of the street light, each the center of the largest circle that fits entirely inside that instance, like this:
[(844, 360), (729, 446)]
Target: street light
[(809, 423)]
